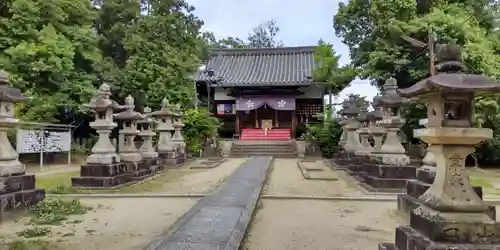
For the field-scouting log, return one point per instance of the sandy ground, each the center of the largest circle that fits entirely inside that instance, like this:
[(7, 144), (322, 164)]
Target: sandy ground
[(202, 181), (286, 179), (332, 225), (115, 224)]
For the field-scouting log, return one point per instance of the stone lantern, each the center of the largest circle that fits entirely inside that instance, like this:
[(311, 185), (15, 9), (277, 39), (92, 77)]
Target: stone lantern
[(103, 107), (146, 132), (351, 125), (364, 148), (393, 152), (17, 189), (129, 118), (342, 122), (452, 215), (103, 168), (177, 137), (374, 130), (165, 128)]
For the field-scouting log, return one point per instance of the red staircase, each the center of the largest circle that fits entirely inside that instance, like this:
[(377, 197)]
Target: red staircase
[(259, 134)]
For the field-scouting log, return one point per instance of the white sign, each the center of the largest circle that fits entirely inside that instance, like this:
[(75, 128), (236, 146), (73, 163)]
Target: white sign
[(31, 141)]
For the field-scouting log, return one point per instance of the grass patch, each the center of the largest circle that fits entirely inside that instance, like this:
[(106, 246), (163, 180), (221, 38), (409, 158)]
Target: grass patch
[(28, 245), (54, 211), (35, 231), (478, 181), (60, 183)]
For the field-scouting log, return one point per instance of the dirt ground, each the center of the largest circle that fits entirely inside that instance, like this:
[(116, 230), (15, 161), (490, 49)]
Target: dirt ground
[(202, 181), (114, 224), (333, 225), (286, 179)]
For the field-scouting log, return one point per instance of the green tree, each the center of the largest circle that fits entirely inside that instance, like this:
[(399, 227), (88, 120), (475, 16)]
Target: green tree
[(265, 36), (373, 31), (334, 77), (51, 51)]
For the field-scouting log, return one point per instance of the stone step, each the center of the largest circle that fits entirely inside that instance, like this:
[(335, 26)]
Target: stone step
[(278, 155)]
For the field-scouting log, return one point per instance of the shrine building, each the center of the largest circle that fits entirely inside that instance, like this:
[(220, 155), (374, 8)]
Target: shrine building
[(261, 93)]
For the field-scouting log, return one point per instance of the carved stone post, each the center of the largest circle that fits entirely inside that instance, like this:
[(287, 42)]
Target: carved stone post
[(166, 150), (451, 214), (177, 137), (129, 154), (146, 132), (17, 189), (393, 152), (364, 148)]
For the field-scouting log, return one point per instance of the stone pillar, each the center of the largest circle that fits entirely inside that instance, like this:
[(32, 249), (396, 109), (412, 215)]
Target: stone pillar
[(146, 132), (103, 168), (165, 146), (129, 154), (364, 148), (389, 168), (17, 189), (451, 214), (177, 137), (425, 177)]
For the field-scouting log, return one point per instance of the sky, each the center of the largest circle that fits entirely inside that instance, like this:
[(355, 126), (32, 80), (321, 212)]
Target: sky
[(300, 25)]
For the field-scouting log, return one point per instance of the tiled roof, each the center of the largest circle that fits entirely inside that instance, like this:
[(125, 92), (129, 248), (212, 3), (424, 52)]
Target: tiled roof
[(260, 67)]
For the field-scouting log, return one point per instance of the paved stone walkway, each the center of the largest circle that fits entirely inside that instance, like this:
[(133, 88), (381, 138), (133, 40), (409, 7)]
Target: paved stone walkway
[(219, 220)]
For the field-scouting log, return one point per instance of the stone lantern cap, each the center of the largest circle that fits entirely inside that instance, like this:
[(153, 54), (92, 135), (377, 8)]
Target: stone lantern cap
[(453, 83), (390, 97), (376, 102), (101, 101), (7, 93), (129, 114), (177, 111), (350, 110), (376, 115), (147, 119), (363, 116), (166, 109)]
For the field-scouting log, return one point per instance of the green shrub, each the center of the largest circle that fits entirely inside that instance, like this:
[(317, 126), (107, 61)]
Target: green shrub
[(199, 124)]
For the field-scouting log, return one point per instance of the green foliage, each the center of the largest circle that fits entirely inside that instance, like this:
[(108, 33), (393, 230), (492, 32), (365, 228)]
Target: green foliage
[(325, 135), (373, 29), (199, 125), (53, 211), (329, 72), (264, 36)]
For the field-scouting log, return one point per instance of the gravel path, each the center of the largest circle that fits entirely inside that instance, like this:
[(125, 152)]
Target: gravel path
[(297, 225), (286, 179)]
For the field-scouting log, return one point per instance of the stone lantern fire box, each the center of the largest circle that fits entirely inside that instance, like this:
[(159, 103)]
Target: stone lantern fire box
[(451, 214)]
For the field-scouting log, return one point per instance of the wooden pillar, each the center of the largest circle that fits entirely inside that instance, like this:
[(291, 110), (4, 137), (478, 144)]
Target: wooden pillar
[(276, 121), (294, 124), (237, 123), (256, 118)]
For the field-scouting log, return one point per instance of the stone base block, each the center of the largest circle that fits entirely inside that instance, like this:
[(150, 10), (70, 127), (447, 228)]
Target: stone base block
[(15, 183), (389, 172), (20, 199), (407, 203), (153, 164), (426, 175), (374, 183), (416, 188), (408, 238), (104, 170), (100, 182)]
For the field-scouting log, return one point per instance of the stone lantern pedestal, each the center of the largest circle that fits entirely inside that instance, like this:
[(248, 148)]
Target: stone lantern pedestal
[(103, 168), (451, 215), (149, 154), (130, 156), (177, 137), (17, 189), (425, 177), (389, 169), (166, 148), (346, 158)]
